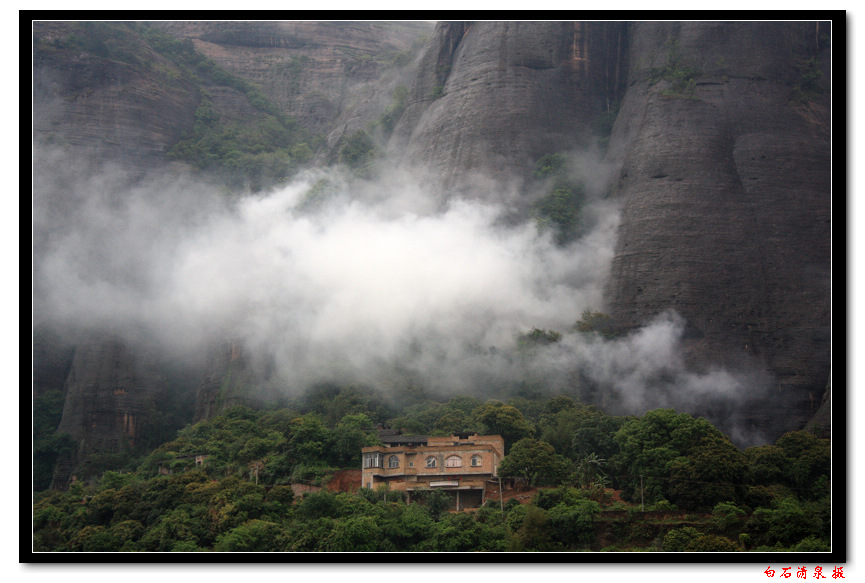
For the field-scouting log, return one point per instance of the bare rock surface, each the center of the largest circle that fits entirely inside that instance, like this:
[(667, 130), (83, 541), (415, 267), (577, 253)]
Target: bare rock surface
[(725, 194), (493, 97)]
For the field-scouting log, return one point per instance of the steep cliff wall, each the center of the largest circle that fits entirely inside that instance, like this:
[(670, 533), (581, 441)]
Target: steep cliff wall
[(493, 97), (332, 77), (229, 379), (105, 95), (722, 145), (725, 193), (108, 393)]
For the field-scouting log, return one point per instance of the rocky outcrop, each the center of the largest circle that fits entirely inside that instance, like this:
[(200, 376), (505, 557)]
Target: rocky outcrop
[(109, 391), (493, 97), (332, 77), (725, 193), (119, 99), (722, 145), (228, 381)]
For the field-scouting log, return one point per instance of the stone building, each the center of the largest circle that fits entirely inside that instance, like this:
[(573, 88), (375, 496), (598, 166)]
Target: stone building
[(460, 464)]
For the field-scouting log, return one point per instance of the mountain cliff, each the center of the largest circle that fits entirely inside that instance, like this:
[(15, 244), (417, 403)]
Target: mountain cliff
[(718, 161), (725, 191), (493, 97), (722, 149)]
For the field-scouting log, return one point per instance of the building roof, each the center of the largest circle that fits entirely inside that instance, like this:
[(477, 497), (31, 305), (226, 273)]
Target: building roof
[(403, 439)]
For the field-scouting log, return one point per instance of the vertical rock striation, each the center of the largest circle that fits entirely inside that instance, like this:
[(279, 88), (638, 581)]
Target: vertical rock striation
[(111, 388), (493, 97), (725, 192)]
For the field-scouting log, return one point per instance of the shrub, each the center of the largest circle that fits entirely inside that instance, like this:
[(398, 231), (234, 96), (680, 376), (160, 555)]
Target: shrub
[(726, 515), (357, 150), (676, 540), (711, 543)]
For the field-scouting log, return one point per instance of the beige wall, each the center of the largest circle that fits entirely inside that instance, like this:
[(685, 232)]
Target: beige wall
[(412, 465)]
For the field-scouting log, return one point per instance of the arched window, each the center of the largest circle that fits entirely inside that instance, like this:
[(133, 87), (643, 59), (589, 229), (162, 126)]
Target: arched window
[(476, 460), (454, 461), (393, 462), (431, 462)]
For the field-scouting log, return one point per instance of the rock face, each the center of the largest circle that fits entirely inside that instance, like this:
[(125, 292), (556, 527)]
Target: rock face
[(332, 77), (722, 142), (229, 379), (108, 394), (492, 96), (725, 196), (131, 105)]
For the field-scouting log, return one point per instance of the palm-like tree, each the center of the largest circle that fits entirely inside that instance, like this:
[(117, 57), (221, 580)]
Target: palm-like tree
[(255, 468)]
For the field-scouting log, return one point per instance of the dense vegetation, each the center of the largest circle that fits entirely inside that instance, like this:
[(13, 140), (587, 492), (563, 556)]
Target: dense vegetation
[(699, 491), (558, 211), (256, 150)]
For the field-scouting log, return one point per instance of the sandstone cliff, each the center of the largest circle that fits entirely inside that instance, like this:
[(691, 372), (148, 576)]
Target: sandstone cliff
[(722, 146), (107, 96), (725, 192), (332, 77), (493, 97), (108, 393)]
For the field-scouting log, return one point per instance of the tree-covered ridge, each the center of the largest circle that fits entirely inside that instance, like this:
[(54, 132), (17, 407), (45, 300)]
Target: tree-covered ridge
[(582, 467)]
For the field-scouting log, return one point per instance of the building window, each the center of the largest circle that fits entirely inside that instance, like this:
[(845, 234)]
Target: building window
[(431, 462), (476, 461), (454, 461), (373, 460), (393, 462)]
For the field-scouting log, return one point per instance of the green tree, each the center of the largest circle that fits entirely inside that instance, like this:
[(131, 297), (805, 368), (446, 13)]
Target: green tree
[(406, 527), (572, 525), (537, 337), (253, 536), (726, 515), (174, 526), (767, 464), (712, 543), (648, 445), (678, 539), (536, 461), (436, 502), (713, 471), (580, 431), (357, 150), (596, 322), (321, 504), (787, 522), (559, 211), (353, 432), (94, 539), (504, 420), (461, 533), (534, 533), (356, 533), (550, 165), (311, 441)]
